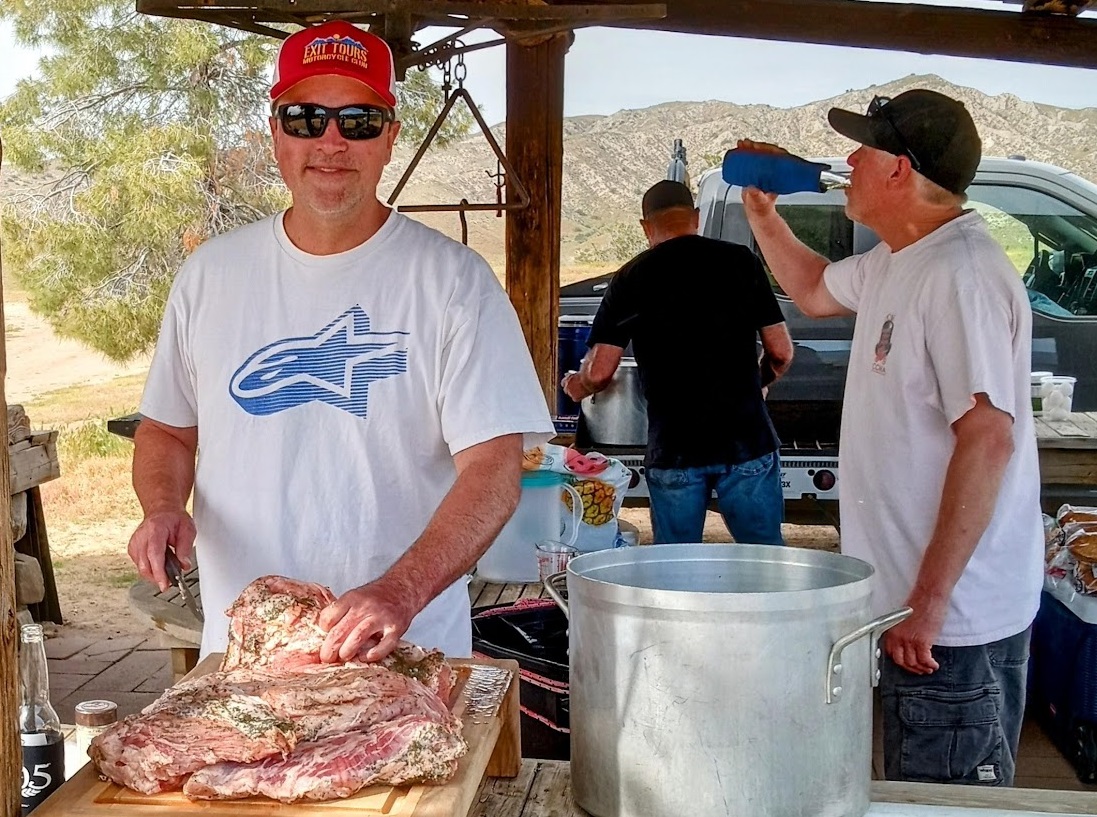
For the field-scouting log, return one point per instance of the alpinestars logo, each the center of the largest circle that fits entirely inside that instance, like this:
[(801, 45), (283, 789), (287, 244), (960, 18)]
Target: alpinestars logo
[(334, 366)]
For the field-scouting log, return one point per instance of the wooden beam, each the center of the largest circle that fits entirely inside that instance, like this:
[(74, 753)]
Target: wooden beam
[(961, 32), (535, 147), (11, 753), (1052, 39)]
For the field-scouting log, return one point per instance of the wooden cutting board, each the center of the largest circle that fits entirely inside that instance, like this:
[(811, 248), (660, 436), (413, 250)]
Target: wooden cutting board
[(486, 695)]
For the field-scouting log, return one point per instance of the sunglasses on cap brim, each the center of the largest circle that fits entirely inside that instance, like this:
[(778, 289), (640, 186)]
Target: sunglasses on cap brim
[(877, 109), (306, 120)]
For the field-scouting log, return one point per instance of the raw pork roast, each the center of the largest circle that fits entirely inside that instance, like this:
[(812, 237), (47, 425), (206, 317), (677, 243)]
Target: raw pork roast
[(275, 623), (276, 721)]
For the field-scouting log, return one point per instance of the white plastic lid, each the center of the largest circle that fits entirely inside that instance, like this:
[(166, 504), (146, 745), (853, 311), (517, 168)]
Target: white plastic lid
[(1037, 377)]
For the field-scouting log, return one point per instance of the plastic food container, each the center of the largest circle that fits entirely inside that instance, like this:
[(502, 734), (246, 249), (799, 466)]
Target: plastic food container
[(539, 517), (1057, 393)]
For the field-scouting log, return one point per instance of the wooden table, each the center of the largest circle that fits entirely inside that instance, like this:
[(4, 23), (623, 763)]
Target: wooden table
[(180, 630), (486, 594), (543, 789), (1068, 449)]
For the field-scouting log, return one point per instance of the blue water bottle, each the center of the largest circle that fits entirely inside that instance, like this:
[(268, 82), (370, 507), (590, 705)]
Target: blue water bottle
[(772, 172)]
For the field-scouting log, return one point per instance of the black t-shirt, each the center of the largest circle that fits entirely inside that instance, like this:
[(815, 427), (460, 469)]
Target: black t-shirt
[(692, 308)]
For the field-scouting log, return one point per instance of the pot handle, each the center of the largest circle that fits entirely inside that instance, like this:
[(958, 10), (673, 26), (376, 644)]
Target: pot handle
[(557, 596), (875, 629)]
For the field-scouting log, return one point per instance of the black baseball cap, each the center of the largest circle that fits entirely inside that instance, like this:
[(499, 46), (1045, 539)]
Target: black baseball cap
[(934, 131), (664, 195)]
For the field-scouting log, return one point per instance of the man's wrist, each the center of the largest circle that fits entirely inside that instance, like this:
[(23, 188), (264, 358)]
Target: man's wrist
[(576, 387), (401, 589), (765, 371)]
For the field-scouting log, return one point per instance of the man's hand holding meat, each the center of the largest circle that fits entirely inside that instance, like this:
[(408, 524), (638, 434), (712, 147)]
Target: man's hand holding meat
[(468, 520), (369, 619)]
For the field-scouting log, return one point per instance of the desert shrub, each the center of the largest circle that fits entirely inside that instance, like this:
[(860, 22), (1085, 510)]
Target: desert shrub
[(89, 440)]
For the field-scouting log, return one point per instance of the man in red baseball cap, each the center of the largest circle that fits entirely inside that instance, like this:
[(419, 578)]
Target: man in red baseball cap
[(333, 71), (362, 385)]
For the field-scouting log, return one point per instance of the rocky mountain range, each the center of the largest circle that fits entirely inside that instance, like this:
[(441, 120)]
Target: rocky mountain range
[(610, 160)]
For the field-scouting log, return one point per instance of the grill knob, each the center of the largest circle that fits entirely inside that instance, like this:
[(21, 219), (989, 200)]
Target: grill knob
[(824, 480)]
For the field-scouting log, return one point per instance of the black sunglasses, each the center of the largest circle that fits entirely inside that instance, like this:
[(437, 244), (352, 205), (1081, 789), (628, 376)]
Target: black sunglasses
[(877, 109), (306, 120)]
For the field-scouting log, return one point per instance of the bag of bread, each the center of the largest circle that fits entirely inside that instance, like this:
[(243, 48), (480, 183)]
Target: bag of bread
[(1070, 513), (1081, 541)]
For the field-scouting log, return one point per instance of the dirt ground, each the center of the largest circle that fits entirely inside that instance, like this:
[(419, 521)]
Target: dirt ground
[(40, 362), (91, 569), (91, 510)]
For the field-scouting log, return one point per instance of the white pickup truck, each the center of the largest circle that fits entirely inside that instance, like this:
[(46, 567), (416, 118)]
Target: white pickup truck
[(1044, 216)]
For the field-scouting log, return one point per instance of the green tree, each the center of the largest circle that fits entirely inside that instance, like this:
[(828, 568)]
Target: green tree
[(151, 135)]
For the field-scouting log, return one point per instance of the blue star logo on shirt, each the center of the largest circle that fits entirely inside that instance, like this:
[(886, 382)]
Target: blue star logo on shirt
[(334, 366)]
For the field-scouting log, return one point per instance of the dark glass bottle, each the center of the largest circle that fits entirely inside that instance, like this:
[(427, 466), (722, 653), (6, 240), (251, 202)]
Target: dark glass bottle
[(39, 726), (774, 172)]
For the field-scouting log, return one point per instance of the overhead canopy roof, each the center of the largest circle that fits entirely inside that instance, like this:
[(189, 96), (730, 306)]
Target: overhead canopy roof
[(1043, 31)]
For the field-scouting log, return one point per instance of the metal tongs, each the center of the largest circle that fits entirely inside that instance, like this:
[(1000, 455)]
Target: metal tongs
[(175, 572)]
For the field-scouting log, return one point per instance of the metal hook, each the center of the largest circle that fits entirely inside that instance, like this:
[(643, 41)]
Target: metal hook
[(513, 183), (499, 180)]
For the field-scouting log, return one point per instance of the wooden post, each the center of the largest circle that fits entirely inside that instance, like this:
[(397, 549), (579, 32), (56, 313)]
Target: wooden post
[(11, 755), (535, 148)]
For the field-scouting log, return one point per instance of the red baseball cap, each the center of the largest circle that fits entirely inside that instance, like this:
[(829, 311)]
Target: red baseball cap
[(335, 47)]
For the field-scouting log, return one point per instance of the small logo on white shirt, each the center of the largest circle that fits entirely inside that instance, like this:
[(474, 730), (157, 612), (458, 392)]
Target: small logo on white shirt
[(883, 346), (334, 366)]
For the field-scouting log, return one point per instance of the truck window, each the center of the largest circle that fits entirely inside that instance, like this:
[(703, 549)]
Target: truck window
[(823, 227), (1052, 244)]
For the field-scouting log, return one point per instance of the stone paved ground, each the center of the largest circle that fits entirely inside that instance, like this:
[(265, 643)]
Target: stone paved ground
[(132, 671)]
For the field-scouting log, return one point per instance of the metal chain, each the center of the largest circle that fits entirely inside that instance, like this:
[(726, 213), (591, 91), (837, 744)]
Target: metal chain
[(447, 79), (459, 70)]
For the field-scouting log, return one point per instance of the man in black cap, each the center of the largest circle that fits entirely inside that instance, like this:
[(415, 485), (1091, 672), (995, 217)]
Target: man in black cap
[(693, 309), (940, 484)]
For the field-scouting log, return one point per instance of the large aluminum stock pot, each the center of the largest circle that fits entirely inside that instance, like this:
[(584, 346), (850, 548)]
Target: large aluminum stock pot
[(721, 680), (618, 415)]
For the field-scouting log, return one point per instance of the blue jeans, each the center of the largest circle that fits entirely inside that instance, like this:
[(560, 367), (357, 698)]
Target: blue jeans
[(748, 496), (961, 724)]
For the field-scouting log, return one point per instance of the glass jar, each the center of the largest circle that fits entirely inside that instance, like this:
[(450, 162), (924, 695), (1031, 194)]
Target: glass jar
[(92, 718)]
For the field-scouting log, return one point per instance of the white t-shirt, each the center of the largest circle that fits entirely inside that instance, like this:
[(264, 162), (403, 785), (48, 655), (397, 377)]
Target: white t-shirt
[(938, 322), (330, 395)]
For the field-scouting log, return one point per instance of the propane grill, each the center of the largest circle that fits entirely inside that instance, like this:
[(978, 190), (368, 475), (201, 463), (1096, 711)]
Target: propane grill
[(809, 464), (807, 471)]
